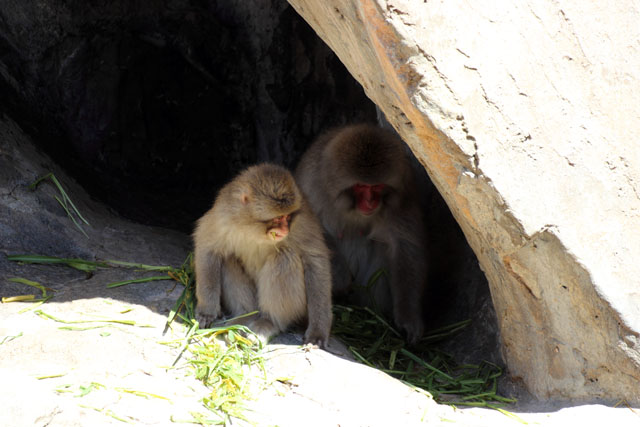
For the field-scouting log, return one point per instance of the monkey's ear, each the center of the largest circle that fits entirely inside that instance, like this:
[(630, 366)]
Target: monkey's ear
[(245, 197)]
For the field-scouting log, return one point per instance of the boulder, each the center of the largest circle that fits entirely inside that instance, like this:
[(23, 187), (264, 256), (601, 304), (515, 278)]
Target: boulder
[(525, 116)]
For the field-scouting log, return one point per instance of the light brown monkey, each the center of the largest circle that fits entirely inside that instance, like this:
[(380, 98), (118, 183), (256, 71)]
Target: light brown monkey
[(360, 184), (261, 248)]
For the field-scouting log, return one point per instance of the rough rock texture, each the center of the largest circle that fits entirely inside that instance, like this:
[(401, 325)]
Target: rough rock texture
[(525, 115)]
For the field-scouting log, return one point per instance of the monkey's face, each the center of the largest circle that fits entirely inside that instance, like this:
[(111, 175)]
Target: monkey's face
[(367, 198), (278, 228)]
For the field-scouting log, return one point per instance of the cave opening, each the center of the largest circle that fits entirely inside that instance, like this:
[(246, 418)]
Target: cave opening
[(152, 108)]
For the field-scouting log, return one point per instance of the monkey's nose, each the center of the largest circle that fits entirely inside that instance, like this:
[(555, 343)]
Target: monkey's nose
[(368, 205)]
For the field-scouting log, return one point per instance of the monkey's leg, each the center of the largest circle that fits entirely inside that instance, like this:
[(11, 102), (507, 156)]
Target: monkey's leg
[(281, 293), (408, 278), (340, 273), (370, 262)]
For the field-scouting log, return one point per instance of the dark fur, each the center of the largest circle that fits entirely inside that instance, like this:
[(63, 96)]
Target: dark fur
[(392, 238)]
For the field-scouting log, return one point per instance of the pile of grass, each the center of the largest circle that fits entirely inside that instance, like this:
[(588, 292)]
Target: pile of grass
[(221, 357), (373, 341)]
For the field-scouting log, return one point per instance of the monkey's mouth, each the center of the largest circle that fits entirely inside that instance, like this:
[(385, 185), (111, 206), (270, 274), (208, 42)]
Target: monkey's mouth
[(276, 236), (368, 210)]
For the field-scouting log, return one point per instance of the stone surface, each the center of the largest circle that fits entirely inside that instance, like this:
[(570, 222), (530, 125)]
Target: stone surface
[(525, 116)]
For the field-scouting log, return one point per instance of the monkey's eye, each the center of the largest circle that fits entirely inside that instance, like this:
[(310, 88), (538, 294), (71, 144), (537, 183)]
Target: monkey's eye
[(292, 216)]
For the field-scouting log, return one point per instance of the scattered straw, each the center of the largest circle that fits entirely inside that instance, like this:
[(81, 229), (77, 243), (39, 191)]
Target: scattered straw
[(77, 263), (18, 298), (110, 413), (220, 357), (9, 338), (91, 266), (46, 377), (139, 393), (29, 298), (105, 321), (72, 212), (223, 366), (143, 280), (375, 343)]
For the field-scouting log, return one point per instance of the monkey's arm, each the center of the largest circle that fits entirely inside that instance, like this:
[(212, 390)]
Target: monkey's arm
[(208, 269), (340, 273), (317, 280)]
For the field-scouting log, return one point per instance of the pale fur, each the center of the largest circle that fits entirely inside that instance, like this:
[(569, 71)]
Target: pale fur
[(236, 262), (391, 239)]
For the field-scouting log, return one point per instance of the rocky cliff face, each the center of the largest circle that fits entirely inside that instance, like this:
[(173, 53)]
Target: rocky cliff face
[(525, 117)]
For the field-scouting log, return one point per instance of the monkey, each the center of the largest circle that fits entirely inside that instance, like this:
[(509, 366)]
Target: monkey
[(260, 247), (359, 182)]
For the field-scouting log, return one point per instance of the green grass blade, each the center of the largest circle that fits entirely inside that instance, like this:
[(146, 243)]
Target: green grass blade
[(66, 209), (143, 280), (192, 330), (73, 322), (139, 393), (67, 198), (34, 185), (10, 338), (18, 298), (35, 305), (140, 266), (28, 282), (65, 201), (77, 263)]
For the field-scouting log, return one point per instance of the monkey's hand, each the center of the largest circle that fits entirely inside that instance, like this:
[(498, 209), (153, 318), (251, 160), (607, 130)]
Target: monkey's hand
[(205, 315), (411, 324), (315, 336)]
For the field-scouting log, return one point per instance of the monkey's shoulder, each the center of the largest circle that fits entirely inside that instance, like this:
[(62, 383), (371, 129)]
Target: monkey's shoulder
[(307, 234)]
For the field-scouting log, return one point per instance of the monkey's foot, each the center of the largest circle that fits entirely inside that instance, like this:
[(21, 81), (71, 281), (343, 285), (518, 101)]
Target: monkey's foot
[(205, 319), (264, 329), (316, 337), (413, 328)]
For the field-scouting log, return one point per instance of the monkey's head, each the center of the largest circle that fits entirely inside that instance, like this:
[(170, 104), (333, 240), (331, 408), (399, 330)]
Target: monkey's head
[(367, 168), (269, 199)]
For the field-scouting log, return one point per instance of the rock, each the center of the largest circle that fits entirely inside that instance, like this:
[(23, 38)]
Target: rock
[(525, 117)]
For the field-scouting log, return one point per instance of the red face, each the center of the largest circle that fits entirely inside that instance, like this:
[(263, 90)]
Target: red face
[(368, 197), (279, 228)]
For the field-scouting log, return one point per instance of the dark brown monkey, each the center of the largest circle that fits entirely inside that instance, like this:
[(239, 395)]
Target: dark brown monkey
[(360, 184), (261, 248)]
